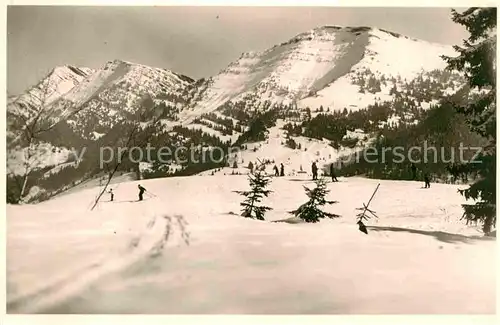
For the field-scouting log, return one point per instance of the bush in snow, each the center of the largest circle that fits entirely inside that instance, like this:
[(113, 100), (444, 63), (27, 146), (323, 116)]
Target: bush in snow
[(259, 181), (310, 211), (290, 143), (349, 142)]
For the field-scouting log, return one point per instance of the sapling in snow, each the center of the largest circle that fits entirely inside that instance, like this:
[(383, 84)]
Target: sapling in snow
[(311, 210), (362, 216), (259, 181)]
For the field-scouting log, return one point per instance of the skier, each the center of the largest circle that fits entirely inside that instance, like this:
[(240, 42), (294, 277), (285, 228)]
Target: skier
[(250, 166), (413, 171), (111, 194), (427, 180), (276, 172), (141, 191), (314, 171), (282, 172), (332, 173)]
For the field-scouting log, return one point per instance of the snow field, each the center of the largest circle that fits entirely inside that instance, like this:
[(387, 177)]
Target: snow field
[(417, 258)]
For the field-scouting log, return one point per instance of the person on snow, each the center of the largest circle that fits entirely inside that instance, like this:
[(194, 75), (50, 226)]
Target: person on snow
[(282, 172), (427, 180), (276, 172), (111, 193), (250, 166), (332, 173), (413, 171), (314, 171), (141, 191)]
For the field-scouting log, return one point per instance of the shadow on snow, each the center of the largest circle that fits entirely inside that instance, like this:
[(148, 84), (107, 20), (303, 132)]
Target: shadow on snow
[(439, 235)]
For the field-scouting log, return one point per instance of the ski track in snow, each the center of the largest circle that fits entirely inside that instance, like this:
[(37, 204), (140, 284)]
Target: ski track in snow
[(417, 258)]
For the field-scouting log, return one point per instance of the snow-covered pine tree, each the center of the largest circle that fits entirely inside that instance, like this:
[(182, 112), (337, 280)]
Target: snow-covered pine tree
[(477, 60), (259, 181), (310, 211)]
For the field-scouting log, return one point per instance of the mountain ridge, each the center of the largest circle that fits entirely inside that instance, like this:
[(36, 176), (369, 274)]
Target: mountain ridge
[(313, 60)]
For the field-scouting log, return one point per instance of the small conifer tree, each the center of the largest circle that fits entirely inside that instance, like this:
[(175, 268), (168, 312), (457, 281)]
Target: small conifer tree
[(311, 210), (259, 181)]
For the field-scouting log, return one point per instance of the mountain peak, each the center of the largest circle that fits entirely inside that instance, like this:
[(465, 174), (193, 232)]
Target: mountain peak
[(68, 70), (59, 81), (344, 28), (311, 68), (358, 30)]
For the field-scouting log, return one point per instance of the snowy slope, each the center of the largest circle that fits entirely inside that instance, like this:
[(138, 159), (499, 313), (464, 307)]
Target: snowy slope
[(317, 68), (211, 131), (417, 258), (140, 77), (44, 155), (386, 54), (312, 150)]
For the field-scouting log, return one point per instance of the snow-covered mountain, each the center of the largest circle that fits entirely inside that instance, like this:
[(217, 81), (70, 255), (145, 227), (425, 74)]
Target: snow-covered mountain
[(41, 96), (56, 84), (93, 101), (321, 66), (116, 93), (328, 69)]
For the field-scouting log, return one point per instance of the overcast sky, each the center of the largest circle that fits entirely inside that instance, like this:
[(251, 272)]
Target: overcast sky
[(187, 40)]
